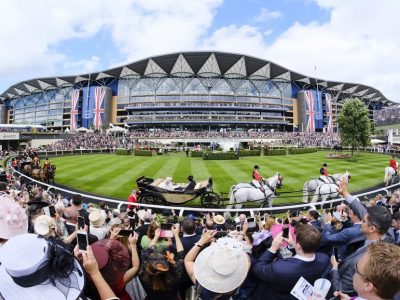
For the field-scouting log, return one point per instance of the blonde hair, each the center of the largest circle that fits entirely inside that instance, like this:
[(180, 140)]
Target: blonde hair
[(383, 269)]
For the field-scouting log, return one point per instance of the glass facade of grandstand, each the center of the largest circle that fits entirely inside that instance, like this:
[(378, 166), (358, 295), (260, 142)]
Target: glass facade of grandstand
[(194, 91)]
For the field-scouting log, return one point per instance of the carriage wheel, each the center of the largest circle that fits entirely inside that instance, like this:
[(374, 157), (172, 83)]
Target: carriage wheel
[(210, 200), (150, 198)]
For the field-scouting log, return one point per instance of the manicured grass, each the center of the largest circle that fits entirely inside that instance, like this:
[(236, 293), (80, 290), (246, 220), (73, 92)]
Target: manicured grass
[(115, 175)]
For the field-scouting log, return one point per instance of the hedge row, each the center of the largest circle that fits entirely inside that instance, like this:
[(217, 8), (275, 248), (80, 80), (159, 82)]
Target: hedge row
[(196, 154), (143, 152), (123, 152), (274, 152), (220, 155), (302, 150), (243, 153)]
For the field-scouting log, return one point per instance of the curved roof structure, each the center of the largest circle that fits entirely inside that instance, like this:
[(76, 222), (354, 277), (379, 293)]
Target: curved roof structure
[(205, 64)]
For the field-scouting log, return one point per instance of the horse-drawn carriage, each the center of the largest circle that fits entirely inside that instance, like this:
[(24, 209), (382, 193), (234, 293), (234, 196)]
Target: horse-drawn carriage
[(152, 192), (45, 174)]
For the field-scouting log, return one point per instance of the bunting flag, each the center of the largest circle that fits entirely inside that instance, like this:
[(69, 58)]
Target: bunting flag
[(74, 110), (310, 112), (98, 109), (329, 112)]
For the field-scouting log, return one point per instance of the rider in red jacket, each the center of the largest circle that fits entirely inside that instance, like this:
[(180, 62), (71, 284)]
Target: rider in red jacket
[(393, 164)]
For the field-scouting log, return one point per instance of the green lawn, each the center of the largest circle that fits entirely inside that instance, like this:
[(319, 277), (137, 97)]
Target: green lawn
[(115, 175)]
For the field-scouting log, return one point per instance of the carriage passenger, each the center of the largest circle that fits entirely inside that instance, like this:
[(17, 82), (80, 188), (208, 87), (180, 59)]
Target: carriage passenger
[(191, 183)]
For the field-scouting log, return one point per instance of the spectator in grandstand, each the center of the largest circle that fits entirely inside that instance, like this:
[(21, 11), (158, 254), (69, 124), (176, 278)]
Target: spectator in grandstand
[(278, 277), (396, 227), (313, 218), (113, 261), (43, 270), (35, 209), (98, 227), (344, 238), (376, 274), (13, 219), (160, 245), (219, 269), (161, 272), (71, 213), (375, 223), (189, 238)]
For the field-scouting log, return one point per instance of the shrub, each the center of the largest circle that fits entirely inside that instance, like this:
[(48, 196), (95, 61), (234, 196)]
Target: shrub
[(302, 150), (230, 155), (143, 152), (196, 154), (122, 152), (249, 153), (271, 152)]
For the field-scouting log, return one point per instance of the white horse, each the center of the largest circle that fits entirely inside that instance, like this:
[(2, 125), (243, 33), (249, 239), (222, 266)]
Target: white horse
[(389, 173), (328, 190), (310, 186), (243, 192)]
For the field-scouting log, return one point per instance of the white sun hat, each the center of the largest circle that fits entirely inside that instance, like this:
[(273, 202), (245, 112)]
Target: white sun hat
[(44, 224), (28, 276), (222, 267)]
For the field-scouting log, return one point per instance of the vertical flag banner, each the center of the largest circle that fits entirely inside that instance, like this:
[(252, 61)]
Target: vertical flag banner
[(74, 110), (310, 112), (329, 112), (98, 110), (319, 112)]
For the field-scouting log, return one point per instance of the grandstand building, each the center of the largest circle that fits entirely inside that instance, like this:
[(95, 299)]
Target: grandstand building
[(186, 91)]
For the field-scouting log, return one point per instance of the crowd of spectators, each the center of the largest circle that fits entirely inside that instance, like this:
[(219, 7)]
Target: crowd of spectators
[(129, 140), (134, 253)]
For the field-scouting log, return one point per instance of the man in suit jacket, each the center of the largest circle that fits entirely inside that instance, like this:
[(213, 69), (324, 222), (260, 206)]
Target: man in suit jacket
[(377, 273), (188, 239), (396, 227), (278, 277), (344, 237), (375, 223)]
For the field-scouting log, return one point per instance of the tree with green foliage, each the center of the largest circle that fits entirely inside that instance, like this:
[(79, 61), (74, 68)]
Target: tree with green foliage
[(354, 124)]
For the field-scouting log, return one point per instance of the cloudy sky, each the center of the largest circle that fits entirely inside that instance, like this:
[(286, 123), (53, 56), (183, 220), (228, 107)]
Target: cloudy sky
[(348, 40)]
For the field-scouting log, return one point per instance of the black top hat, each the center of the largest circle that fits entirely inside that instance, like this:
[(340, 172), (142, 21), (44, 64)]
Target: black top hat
[(190, 177), (38, 201), (256, 167)]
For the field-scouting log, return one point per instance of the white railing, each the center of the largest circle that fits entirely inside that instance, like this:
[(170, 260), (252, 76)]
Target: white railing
[(181, 209)]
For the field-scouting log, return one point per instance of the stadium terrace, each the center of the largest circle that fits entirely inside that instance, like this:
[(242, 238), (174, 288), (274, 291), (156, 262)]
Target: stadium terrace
[(186, 91)]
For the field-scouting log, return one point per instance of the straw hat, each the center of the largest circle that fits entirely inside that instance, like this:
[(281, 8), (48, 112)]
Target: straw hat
[(17, 276), (43, 224), (218, 219), (96, 218), (222, 267), (13, 219)]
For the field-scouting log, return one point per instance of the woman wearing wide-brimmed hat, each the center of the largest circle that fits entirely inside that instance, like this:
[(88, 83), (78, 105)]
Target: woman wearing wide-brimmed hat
[(219, 269)]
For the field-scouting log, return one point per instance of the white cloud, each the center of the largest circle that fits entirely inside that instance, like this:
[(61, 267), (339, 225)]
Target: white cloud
[(358, 44), (267, 15)]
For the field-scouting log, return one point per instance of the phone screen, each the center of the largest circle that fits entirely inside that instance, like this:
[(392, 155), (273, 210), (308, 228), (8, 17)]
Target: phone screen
[(220, 234), (132, 223), (238, 228), (336, 253), (81, 222), (126, 232), (166, 226), (82, 239), (52, 211), (285, 232), (250, 220)]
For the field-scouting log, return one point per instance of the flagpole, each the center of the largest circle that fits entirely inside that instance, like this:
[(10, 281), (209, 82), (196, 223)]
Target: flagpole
[(316, 80)]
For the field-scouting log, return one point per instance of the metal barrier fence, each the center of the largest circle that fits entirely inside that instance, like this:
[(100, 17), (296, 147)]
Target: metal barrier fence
[(388, 190)]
